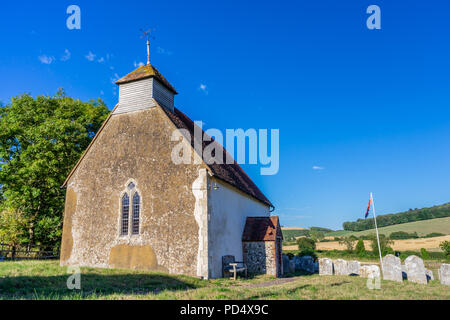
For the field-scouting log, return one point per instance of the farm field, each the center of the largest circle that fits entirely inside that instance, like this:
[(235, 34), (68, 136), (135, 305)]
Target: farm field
[(47, 280), (431, 244), (441, 225)]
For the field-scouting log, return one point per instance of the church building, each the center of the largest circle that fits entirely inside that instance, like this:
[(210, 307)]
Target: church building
[(128, 205)]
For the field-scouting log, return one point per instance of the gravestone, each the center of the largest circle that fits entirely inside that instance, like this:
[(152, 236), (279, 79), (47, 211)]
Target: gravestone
[(392, 268), (415, 270), (291, 266), (325, 266), (307, 264), (353, 268), (316, 267), (285, 264), (429, 274), (444, 274), (340, 267), (298, 263), (370, 271)]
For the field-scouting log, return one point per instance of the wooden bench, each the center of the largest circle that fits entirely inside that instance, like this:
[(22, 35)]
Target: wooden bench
[(231, 266)]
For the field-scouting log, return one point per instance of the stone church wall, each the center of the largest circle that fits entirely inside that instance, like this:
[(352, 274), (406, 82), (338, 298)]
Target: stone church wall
[(260, 257), (132, 147)]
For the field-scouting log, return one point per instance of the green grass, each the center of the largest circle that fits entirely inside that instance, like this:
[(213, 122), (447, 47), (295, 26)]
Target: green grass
[(441, 225), (47, 280)]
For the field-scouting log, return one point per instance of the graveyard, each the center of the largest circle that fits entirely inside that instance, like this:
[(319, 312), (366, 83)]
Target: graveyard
[(47, 280)]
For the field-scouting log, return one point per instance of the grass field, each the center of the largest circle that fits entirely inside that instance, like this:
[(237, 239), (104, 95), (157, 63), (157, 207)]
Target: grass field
[(441, 225), (47, 280)]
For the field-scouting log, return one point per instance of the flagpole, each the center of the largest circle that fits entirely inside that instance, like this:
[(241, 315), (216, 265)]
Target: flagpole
[(376, 229)]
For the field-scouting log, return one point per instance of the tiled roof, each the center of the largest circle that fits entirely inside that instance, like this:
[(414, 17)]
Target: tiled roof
[(261, 229), (230, 173), (146, 71)]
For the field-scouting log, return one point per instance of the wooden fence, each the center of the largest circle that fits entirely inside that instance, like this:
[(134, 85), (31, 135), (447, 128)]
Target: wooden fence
[(10, 252)]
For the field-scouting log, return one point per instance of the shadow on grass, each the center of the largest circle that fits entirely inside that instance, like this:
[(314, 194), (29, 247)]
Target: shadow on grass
[(94, 285)]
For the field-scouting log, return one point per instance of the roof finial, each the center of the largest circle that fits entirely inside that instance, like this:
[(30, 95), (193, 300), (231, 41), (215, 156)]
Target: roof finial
[(147, 34)]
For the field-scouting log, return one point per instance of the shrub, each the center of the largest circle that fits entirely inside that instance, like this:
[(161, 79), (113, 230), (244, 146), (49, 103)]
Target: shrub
[(384, 244), (360, 248), (399, 235), (434, 234), (424, 254), (349, 242), (445, 246)]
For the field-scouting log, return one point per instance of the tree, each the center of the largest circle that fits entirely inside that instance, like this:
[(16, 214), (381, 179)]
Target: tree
[(385, 243), (306, 246), (40, 141), (360, 248), (445, 246), (13, 227), (349, 242)]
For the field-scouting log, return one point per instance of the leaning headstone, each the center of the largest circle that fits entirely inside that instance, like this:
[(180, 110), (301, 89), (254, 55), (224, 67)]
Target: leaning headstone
[(444, 274), (415, 270), (285, 264), (429, 274), (353, 268), (291, 266), (392, 268), (325, 266), (340, 267), (371, 271), (307, 264)]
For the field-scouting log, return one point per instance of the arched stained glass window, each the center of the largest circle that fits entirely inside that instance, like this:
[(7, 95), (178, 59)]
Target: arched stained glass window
[(125, 213), (136, 211)]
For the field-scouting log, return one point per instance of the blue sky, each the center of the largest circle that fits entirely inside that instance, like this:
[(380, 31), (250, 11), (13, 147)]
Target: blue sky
[(369, 107)]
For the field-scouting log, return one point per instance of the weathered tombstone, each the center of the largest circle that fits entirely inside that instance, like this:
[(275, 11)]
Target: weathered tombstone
[(370, 271), (415, 270), (307, 264), (291, 266), (325, 266), (444, 274), (392, 268), (340, 267), (429, 274), (298, 263), (316, 267), (285, 264), (353, 268)]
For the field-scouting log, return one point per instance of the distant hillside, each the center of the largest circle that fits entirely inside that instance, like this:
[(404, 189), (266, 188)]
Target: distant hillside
[(411, 215), (441, 225)]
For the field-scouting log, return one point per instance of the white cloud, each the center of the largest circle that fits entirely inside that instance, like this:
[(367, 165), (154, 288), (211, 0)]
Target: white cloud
[(66, 55), (102, 92), (138, 64), (46, 59), (318, 168), (90, 56), (163, 51), (101, 60), (203, 88)]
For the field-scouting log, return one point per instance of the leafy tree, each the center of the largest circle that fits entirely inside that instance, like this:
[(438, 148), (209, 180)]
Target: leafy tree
[(360, 249), (40, 141), (13, 227), (445, 246), (349, 243), (306, 246), (385, 243)]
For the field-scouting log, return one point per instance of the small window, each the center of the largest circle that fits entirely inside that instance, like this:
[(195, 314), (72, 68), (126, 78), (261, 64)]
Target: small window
[(136, 209), (125, 213)]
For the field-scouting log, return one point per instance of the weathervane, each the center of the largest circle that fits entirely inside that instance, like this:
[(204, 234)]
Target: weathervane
[(147, 35)]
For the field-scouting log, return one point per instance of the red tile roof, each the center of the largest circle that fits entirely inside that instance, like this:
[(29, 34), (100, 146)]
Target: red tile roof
[(230, 173), (262, 229), (146, 71)]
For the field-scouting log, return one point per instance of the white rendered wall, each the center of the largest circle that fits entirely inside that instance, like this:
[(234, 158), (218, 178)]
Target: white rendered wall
[(227, 212)]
